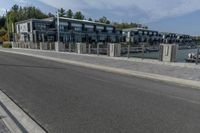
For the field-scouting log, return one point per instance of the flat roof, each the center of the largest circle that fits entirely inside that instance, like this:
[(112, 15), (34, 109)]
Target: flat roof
[(86, 21), (136, 29), (63, 18), (34, 19), (174, 33)]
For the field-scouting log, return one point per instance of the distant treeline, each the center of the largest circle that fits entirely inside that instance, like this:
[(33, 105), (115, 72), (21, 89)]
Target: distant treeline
[(197, 39), (18, 13)]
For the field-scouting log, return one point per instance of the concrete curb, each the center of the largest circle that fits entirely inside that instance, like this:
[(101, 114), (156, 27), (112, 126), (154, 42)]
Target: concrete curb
[(9, 123), (16, 119), (157, 77)]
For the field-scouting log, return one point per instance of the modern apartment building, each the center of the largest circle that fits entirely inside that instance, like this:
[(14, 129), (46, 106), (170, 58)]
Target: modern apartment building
[(73, 30), (70, 30), (141, 35), (181, 39)]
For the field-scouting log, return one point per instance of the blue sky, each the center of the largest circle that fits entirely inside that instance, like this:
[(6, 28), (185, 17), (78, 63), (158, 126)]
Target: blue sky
[(181, 16)]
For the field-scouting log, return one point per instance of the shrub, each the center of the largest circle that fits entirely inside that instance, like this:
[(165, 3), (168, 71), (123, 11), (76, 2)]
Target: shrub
[(7, 45)]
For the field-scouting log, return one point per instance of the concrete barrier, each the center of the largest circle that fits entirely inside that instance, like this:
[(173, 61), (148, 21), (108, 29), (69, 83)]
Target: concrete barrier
[(115, 49), (81, 48), (43, 46), (59, 47)]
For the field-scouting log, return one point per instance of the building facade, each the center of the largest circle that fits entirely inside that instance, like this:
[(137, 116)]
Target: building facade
[(181, 39), (141, 35), (70, 30), (73, 30)]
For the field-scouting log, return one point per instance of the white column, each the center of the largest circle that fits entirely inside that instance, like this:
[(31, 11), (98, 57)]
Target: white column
[(59, 47), (81, 48), (115, 49)]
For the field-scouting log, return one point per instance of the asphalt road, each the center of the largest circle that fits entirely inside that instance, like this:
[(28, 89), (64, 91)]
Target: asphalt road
[(69, 99)]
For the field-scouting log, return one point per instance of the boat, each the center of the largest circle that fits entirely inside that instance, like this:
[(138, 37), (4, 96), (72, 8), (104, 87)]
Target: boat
[(193, 58)]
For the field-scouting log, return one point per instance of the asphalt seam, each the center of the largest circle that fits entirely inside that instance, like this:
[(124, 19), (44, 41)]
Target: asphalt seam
[(185, 82)]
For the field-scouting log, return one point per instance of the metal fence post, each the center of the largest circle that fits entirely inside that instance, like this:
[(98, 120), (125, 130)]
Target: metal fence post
[(128, 54), (97, 48), (108, 52), (70, 47), (89, 49), (197, 58), (142, 51)]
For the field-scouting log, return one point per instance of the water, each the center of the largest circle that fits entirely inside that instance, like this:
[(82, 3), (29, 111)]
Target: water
[(180, 56), (183, 54)]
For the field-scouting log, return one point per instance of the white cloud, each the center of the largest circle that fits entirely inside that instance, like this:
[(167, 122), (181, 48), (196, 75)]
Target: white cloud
[(2, 11), (21, 1), (146, 10)]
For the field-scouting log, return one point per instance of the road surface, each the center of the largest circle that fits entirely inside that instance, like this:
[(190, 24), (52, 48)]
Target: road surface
[(69, 99)]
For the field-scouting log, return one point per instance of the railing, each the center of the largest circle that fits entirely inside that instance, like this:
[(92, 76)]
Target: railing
[(143, 51)]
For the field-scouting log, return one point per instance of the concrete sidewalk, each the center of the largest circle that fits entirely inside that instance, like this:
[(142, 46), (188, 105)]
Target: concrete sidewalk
[(184, 73), (3, 127)]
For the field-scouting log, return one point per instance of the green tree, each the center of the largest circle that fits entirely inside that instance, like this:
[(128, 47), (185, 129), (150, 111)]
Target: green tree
[(69, 14), (89, 19), (2, 21), (128, 25), (50, 15), (15, 8), (61, 12), (18, 13), (79, 15), (104, 20), (2, 32)]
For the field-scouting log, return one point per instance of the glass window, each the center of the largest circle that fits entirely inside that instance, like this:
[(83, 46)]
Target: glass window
[(110, 31), (78, 28), (90, 29), (109, 28), (140, 32), (40, 26), (89, 26), (100, 28), (63, 28)]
